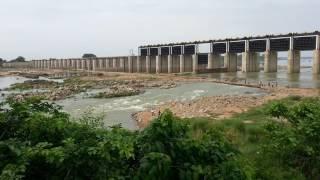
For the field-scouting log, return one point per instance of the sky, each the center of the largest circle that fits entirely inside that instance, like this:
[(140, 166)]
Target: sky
[(39, 29)]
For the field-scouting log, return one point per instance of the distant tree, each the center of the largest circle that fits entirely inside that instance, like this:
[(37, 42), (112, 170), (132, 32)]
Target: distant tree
[(89, 56), (19, 59), (1, 61)]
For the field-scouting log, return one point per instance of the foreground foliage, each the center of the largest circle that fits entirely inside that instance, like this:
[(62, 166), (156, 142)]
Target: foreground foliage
[(295, 139), (39, 141)]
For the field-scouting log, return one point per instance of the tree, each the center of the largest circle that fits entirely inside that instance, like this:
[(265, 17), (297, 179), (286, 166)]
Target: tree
[(19, 59), (2, 61), (88, 55)]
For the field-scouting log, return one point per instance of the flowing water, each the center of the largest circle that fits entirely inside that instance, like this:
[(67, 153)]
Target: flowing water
[(304, 79), (119, 110)]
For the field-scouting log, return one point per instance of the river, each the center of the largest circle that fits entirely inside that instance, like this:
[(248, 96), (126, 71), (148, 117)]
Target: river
[(119, 110)]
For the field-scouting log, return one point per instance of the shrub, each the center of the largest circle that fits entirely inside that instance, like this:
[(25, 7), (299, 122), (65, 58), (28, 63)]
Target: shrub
[(296, 143), (38, 141)]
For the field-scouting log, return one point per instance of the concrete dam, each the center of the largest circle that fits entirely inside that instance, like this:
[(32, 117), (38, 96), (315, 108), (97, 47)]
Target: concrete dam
[(185, 56)]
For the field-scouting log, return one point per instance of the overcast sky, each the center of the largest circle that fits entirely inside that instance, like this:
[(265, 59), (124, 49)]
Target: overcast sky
[(68, 28)]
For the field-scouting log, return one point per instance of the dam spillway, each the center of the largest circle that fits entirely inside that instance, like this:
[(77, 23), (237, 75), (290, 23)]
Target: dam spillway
[(185, 56)]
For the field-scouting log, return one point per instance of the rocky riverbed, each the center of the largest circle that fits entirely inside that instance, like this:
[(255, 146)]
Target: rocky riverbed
[(219, 107), (109, 87)]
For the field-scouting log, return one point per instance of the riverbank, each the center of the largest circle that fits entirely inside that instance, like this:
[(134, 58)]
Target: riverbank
[(220, 107), (115, 85)]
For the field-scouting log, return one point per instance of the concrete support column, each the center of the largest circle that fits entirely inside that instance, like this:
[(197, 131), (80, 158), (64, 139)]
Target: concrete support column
[(213, 61), (54, 65), (44, 64), (94, 64), (250, 62), (130, 64), (148, 64), (60, 63), (107, 61), (70, 65), (316, 62), (230, 62), (169, 64), (83, 64), (122, 65), (78, 64), (88, 63), (270, 61), (195, 63), (114, 64), (51, 63), (138, 64), (294, 61), (64, 63), (40, 64), (181, 63), (101, 64), (158, 64), (74, 65), (210, 61)]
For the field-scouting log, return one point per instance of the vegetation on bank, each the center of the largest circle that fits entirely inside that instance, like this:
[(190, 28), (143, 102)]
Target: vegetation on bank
[(279, 140), (120, 93), (33, 84), (38, 141)]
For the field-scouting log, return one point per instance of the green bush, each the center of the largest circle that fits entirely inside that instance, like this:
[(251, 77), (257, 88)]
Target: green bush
[(296, 143), (39, 141)]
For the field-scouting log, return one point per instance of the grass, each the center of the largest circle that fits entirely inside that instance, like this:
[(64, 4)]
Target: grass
[(246, 132)]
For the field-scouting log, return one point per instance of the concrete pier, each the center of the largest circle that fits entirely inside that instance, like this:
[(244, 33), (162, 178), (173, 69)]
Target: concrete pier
[(316, 62), (138, 64), (107, 62), (88, 64), (148, 64), (51, 63), (122, 65), (130, 64), (64, 64), (83, 64), (61, 64), (101, 62), (194, 63), (169, 63), (114, 64), (182, 63), (94, 64), (270, 61), (250, 62), (78, 64), (294, 61), (230, 62), (158, 64), (213, 61)]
